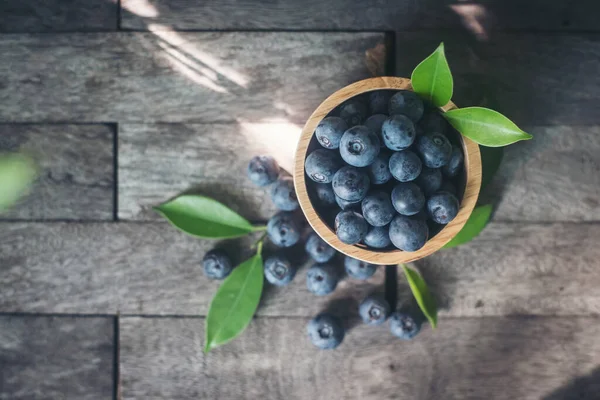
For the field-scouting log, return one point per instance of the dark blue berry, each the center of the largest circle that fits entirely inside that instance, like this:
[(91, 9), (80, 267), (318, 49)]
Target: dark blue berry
[(442, 207), (434, 148), (449, 187), (374, 123), (321, 279), (455, 164), (378, 237), (318, 249), (279, 270), (351, 183), (283, 229), (324, 194), (405, 166), (433, 121), (374, 309), (398, 132), (350, 227), (408, 233), (321, 165), (329, 132), (325, 331), (216, 264), (347, 205), (404, 325), (359, 269), (263, 170), (359, 146), (353, 111), (283, 194), (407, 103), (407, 198), (377, 208), (379, 170), (430, 180), (378, 101)]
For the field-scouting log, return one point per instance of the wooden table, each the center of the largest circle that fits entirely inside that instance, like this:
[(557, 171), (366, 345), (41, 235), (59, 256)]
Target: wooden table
[(126, 105)]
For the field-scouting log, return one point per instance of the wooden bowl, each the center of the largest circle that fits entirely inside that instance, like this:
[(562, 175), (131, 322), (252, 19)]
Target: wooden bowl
[(471, 171)]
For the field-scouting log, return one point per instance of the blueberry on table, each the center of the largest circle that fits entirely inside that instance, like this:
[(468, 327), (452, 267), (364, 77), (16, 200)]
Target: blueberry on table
[(405, 166), (374, 123), (283, 194), (354, 112), (318, 249), (378, 237), (374, 309), (430, 180), (325, 331), (433, 121), (398, 132), (321, 165), (442, 207), (283, 229), (359, 146), (404, 325), (347, 205), (351, 183), (378, 101), (407, 198), (350, 227), (329, 132), (377, 208), (279, 270), (216, 264), (324, 194), (379, 170), (434, 148), (358, 269), (455, 164), (407, 103), (408, 233), (263, 170), (321, 279)]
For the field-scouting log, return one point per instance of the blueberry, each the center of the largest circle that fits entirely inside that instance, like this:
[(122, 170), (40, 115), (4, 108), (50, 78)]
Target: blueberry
[(359, 269), (378, 101), (347, 205), (405, 166), (359, 146), (329, 132), (449, 187), (407, 198), (216, 264), (433, 121), (321, 165), (350, 227), (379, 170), (430, 180), (322, 279), (374, 309), (408, 233), (378, 237), (377, 208), (325, 331), (351, 183), (407, 103), (263, 170), (434, 148), (353, 111), (324, 194), (283, 194), (279, 270), (442, 207), (404, 325), (398, 132), (318, 249), (455, 164), (283, 229), (374, 123)]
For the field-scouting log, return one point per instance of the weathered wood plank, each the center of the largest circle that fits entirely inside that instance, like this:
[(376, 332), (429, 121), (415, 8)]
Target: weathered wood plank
[(76, 177), (58, 15), (176, 77), (56, 358), (130, 268), (397, 15), (466, 359)]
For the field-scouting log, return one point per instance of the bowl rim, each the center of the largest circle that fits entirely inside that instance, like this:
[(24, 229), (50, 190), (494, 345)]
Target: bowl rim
[(472, 163)]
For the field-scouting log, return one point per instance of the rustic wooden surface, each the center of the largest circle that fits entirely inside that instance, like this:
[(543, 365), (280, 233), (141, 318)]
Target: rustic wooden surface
[(49, 357)]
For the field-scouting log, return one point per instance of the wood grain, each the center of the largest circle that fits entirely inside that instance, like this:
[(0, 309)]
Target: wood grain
[(58, 15), (176, 76), (76, 175), (466, 359), (56, 358)]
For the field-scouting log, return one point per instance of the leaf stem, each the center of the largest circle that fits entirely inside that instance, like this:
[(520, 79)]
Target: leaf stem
[(259, 243), (259, 228)]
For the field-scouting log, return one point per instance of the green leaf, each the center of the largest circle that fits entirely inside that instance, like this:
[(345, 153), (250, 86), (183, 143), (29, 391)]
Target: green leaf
[(17, 172), (486, 127), (432, 78), (205, 217), (475, 224), (491, 157), (235, 302), (421, 293)]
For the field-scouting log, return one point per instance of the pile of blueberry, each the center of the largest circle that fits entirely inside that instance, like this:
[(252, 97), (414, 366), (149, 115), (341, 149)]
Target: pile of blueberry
[(287, 230), (384, 170)]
